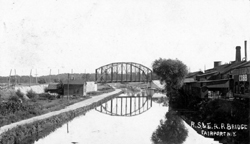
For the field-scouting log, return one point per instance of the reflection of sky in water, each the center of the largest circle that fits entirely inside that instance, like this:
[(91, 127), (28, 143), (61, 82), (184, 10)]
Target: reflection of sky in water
[(97, 128)]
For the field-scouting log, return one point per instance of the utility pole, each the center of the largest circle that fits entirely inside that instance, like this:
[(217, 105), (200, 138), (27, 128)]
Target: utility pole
[(20, 79), (72, 76), (84, 84), (58, 76), (9, 78), (85, 75), (68, 87), (15, 77), (50, 76), (36, 76), (30, 75)]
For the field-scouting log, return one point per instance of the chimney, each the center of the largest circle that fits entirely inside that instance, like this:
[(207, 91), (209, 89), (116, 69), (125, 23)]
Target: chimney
[(238, 55), (217, 63), (245, 50)]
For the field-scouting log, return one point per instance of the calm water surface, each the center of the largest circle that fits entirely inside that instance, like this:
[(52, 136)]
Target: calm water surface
[(98, 127)]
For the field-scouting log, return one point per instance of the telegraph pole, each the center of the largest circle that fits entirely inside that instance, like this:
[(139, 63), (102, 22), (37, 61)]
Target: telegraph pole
[(58, 76), (9, 78), (20, 79), (50, 76), (30, 75), (15, 77), (68, 87), (36, 76), (85, 75), (84, 85)]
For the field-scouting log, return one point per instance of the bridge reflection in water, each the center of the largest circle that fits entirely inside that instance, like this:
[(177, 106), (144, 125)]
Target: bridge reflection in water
[(126, 106)]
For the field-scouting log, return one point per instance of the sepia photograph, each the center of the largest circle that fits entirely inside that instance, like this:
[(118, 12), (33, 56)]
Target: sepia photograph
[(124, 72)]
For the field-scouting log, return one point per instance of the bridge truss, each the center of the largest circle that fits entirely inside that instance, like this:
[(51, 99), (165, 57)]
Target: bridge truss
[(123, 72)]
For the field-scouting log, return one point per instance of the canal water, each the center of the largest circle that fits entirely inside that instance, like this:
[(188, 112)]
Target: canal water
[(123, 120)]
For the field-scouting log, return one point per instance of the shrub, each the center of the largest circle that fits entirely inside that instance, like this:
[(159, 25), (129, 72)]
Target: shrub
[(12, 93), (11, 106), (45, 96), (92, 93), (19, 94), (41, 81), (31, 94), (14, 99)]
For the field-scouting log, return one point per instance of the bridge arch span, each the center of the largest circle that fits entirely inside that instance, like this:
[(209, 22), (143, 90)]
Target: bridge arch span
[(123, 72)]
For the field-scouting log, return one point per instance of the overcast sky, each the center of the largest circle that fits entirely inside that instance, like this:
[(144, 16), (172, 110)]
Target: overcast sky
[(86, 34)]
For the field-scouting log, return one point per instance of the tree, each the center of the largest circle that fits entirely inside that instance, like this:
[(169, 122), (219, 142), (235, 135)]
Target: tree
[(56, 81), (172, 72), (85, 76), (41, 81)]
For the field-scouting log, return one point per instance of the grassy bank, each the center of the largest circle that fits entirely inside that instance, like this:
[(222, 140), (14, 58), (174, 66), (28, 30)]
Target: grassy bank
[(16, 107), (30, 132)]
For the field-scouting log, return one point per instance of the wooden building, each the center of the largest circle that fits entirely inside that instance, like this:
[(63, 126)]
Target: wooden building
[(74, 88)]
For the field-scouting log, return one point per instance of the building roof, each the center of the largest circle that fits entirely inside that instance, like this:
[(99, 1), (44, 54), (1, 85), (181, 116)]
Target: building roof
[(207, 74), (222, 69), (242, 65), (189, 80), (193, 74), (74, 82), (217, 80), (232, 66), (220, 85), (52, 86)]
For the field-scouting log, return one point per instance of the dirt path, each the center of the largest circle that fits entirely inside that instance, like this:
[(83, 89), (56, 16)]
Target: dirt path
[(50, 114)]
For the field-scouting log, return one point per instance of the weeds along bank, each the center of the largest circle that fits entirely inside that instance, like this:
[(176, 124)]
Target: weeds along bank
[(29, 133), (18, 106)]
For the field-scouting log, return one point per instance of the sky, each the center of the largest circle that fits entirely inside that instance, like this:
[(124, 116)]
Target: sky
[(81, 36)]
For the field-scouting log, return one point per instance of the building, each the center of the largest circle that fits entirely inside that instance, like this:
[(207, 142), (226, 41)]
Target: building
[(191, 85), (74, 87), (54, 88), (241, 77), (219, 80), (91, 86), (78, 87)]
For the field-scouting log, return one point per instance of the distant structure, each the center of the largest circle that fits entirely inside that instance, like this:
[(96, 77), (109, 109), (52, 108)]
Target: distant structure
[(76, 87), (225, 80)]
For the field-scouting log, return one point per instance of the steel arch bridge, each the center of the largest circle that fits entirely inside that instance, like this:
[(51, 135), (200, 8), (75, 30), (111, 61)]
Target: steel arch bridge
[(123, 72)]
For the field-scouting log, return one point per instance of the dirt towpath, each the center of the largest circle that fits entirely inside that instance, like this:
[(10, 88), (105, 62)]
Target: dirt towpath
[(50, 114)]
